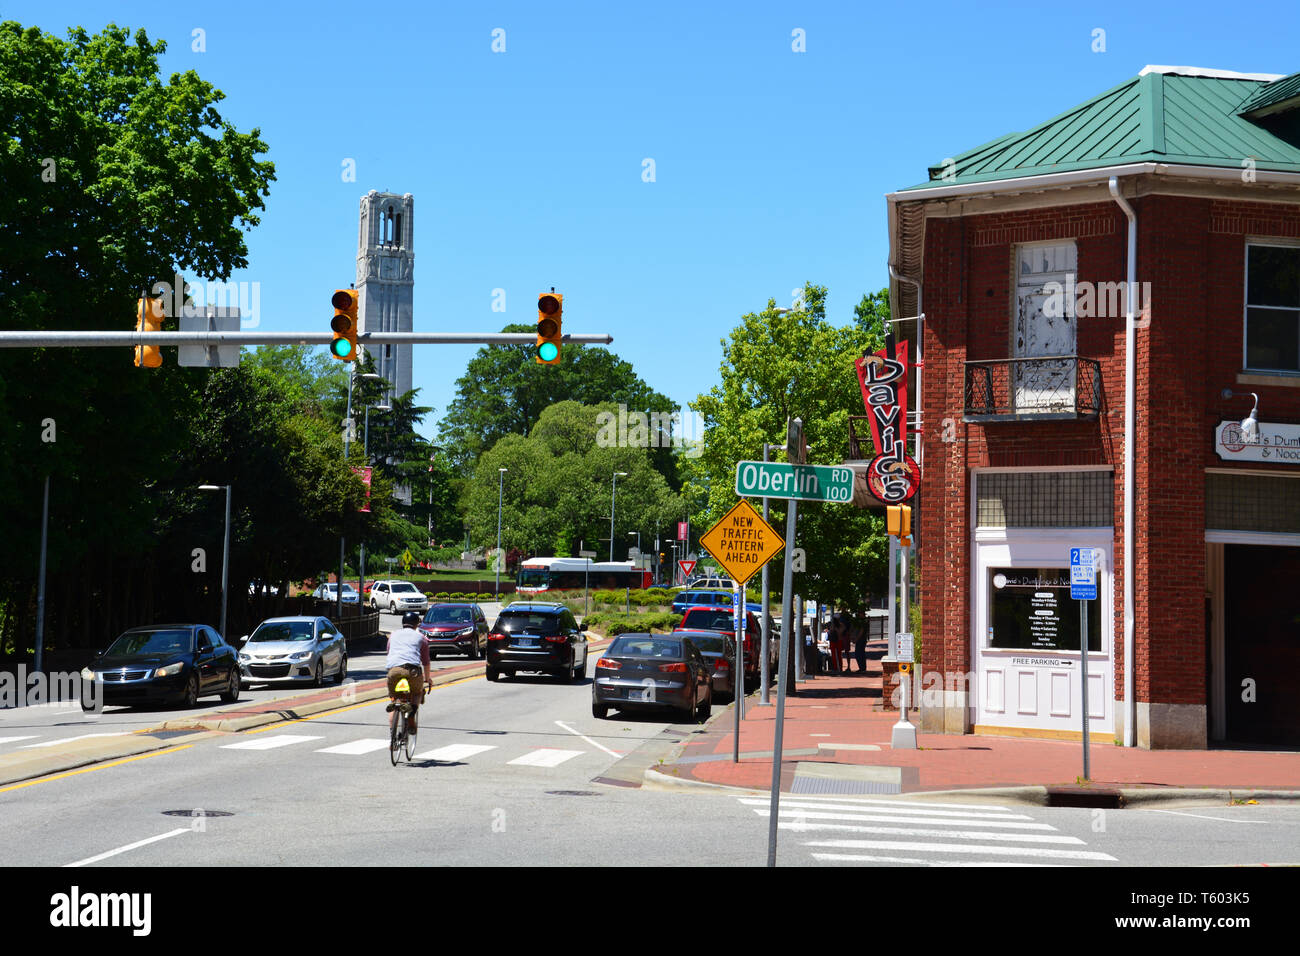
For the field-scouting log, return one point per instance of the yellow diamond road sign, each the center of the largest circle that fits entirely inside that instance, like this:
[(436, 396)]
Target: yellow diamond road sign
[(742, 542)]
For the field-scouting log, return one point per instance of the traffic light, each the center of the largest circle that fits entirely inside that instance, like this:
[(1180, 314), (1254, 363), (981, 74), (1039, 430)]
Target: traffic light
[(898, 521), (148, 318), (550, 308), (344, 324)]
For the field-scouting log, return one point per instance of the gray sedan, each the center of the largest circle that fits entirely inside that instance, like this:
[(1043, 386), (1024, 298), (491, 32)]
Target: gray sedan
[(294, 650)]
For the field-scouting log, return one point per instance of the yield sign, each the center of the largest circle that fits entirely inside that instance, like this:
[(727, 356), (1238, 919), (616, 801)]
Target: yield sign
[(687, 567), (742, 542)]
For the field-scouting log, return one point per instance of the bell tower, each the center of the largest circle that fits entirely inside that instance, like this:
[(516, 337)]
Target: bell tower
[(385, 281)]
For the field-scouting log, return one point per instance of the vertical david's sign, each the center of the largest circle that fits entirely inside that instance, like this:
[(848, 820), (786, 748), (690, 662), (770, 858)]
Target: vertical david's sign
[(892, 475)]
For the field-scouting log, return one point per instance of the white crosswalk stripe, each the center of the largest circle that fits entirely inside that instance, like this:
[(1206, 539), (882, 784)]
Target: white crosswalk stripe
[(68, 740), (546, 757), (354, 747), (14, 740), (270, 743), (455, 752), (943, 834)]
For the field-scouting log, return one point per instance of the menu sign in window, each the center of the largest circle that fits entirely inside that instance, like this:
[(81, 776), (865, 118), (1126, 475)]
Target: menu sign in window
[(1032, 610)]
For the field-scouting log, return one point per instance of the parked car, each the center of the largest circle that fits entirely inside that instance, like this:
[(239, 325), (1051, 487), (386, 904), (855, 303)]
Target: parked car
[(173, 663), (700, 598), (330, 592), (647, 671), (721, 619), (537, 636), (294, 650), (459, 628), (719, 652), (398, 597), (721, 584)]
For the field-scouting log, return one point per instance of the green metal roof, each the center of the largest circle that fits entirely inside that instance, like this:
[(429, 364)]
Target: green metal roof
[(1155, 117)]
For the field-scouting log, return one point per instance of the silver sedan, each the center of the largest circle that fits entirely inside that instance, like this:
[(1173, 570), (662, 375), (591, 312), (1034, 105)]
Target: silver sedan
[(294, 650)]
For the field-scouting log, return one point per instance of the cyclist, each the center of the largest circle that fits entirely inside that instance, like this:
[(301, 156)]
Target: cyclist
[(408, 655)]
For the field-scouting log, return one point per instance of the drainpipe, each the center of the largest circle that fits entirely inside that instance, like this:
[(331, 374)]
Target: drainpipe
[(1130, 703)]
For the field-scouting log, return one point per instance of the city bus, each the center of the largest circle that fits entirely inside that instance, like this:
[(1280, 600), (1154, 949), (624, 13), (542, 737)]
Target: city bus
[(539, 575)]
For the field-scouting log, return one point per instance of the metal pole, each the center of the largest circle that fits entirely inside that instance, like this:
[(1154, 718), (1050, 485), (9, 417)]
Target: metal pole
[(1083, 674), (93, 339), (501, 483), (346, 432), (765, 678), (738, 673), (612, 489), (801, 666), (40, 586), (784, 665), (225, 568)]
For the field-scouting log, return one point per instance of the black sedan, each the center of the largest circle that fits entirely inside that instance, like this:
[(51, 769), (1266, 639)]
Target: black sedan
[(163, 663), (653, 671)]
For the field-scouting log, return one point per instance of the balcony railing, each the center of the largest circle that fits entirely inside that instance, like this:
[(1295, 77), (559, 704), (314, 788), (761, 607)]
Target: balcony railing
[(1047, 388)]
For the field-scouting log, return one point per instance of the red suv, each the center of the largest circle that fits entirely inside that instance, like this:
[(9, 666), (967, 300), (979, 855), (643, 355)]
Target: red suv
[(721, 619)]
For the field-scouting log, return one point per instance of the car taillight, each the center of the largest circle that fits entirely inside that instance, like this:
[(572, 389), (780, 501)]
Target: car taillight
[(496, 636), (557, 638), (608, 663), (721, 663), (673, 668)]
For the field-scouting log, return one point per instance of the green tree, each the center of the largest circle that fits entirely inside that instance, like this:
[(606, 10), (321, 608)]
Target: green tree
[(776, 366), (111, 179), (504, 391)]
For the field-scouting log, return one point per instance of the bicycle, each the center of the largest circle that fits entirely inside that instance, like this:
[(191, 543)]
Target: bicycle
[(400, 739)]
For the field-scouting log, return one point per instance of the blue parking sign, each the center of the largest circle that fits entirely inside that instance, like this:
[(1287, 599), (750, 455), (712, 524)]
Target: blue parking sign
[(1083, 574)]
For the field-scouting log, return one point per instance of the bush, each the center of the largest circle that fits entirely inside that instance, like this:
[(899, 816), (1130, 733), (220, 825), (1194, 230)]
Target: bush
[(612, 624)]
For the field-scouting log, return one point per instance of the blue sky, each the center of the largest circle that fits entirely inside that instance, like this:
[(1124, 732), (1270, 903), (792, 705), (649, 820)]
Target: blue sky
[(526, 166)]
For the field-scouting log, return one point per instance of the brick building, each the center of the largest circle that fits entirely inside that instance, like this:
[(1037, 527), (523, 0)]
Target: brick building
[(1179, 189)]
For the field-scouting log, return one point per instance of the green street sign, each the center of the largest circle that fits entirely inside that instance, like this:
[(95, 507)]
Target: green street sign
[(774, 479)]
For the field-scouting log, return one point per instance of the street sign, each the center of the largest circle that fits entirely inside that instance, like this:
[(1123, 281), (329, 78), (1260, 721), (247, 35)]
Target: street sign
[(199, 318), (1083, 574), (742, 542), (407, 558), (687, 567), (775, 479)]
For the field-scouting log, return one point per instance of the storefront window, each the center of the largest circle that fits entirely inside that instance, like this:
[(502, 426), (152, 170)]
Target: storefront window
[(1032, 610)]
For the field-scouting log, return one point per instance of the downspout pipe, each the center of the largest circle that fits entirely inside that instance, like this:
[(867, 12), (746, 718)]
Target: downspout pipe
[(1130, 703)]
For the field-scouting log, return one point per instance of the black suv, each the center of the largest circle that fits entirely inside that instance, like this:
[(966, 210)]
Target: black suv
[(537, 636)]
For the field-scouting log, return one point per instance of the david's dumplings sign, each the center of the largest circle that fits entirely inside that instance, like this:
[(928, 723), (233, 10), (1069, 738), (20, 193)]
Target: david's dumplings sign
[(1277, 444)]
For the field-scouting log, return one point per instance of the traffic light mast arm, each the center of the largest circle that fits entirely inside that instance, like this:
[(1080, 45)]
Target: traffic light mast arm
[(117, 338)]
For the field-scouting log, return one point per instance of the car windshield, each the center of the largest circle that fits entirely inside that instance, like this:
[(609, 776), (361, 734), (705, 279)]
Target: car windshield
[(710, 619), (283, 631), (403, 588), (150, 642), (533, 578), (449, 615), (645, 647)]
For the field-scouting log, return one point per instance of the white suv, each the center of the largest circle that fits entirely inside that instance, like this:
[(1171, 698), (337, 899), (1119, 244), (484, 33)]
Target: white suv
[(398, 596)]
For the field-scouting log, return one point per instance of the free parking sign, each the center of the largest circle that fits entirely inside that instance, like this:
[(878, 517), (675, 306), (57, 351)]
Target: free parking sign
[(1083, 574)]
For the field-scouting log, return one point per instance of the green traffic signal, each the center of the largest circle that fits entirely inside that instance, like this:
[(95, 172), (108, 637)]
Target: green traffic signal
[(547, 351)]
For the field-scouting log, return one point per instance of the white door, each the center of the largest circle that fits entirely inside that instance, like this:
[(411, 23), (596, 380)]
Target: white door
[(1026, 633), (1044, 324)]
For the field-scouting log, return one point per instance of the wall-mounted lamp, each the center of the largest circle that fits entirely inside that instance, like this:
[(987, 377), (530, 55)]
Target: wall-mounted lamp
[(1249, 424)]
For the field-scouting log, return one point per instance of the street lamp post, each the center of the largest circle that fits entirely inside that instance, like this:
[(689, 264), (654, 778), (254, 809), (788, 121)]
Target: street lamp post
[(361, 584), (225, 555), (612, 490), (501, 484)]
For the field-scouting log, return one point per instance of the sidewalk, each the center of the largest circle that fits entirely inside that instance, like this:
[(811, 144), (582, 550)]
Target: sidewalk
[(835, 741)]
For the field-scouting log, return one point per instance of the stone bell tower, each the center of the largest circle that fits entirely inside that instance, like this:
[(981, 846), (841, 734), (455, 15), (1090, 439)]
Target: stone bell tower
[(385, 281)]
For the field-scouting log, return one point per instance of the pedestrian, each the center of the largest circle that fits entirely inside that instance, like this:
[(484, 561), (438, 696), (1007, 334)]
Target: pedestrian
[(860, 643), (837, 646)]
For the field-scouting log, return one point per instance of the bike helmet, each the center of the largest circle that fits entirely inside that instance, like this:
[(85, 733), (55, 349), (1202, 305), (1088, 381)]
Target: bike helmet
[(411, 619)]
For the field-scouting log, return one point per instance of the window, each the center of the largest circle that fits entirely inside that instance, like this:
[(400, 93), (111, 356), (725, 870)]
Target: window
[(1273, 307)]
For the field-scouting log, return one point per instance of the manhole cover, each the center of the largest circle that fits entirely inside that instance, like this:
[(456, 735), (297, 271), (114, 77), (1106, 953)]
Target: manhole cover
[(573, 793), (197, 813)]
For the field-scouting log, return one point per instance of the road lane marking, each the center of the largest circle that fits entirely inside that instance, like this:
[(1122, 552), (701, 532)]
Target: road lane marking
[(587, 739), (130, 846), (454, 752), (962, 848), (801, 826), (546, 757), (98, 766), (920, 810), (862, 858), (69, 740), (356, 747), (270, 743), (891, 818), (10, 740), (1201, 816)]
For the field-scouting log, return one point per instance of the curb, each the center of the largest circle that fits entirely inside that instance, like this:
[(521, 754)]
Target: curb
[(34, 766)]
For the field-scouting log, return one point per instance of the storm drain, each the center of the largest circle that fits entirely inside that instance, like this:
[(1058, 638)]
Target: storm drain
[(197, 813), (1084, 797)]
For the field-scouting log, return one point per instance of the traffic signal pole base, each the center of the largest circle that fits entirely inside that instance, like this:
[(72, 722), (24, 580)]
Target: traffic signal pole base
[(904, 736)]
